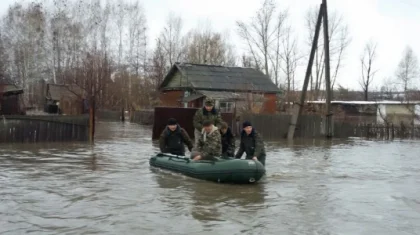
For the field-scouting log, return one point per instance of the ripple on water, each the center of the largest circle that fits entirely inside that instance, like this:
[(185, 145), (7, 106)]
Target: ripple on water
[(311, 187)]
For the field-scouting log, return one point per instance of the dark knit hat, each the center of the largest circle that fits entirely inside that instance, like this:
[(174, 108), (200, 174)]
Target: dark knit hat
[(246, 124), (172, 121)]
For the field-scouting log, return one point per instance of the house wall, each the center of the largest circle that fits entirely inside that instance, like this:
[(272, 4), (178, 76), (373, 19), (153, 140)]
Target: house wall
[(178, 81), (171, 98), (267, 104), (417, 112), (71, 106), (270, 103), (399, 109), (397, 114)]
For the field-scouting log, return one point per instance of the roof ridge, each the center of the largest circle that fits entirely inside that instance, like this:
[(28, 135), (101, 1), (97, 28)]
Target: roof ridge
[(214, 65)]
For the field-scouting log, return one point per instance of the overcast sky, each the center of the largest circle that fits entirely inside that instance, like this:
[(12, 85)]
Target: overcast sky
[(393, 24)]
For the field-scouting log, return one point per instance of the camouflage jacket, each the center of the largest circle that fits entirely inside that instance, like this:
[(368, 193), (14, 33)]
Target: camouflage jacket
[(202, 114), (252, 145), (210, 145)]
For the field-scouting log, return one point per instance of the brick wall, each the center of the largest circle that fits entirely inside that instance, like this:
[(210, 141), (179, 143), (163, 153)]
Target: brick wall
[(270, 103)]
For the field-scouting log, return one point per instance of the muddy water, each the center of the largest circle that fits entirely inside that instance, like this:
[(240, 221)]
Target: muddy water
[(316, 187)]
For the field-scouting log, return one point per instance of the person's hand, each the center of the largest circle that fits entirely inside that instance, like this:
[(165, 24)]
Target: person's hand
[(196, 158), (255, 158)]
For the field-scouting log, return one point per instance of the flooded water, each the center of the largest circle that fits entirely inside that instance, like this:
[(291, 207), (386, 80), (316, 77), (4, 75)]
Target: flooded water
[(320, 187)]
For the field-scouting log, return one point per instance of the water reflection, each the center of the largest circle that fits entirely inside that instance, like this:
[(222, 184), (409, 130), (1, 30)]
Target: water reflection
[(312, 187), (208, 200)]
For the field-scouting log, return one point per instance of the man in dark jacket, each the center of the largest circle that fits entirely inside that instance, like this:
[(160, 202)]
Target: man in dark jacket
[(228, 141), (251, 143), (173, 139)]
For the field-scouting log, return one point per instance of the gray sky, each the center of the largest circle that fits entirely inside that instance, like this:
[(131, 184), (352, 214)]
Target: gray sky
[(393, 24)]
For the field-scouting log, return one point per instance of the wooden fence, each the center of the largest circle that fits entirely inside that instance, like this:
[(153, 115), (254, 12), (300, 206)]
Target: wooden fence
[(275, 127), (376, 131), (144, 117), (184, 116), (51, 128), (109, 115)]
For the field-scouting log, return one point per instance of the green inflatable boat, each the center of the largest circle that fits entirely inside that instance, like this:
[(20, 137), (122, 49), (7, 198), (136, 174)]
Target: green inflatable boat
[(221, 170)]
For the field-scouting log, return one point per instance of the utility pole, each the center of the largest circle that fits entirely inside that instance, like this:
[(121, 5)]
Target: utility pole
[(328, 119), (322, 17), (298, 109)]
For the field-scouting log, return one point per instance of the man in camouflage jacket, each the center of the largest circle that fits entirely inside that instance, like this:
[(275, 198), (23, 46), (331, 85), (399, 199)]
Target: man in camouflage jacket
[(209, 143), (209, 113)]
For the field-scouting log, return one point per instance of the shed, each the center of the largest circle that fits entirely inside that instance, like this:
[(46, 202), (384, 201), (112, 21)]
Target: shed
[(63, 99), (11, 100)]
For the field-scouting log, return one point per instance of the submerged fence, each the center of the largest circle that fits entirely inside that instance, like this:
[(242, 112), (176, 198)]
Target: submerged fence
[(184, 116), (110, 115), (144, 117), (374, 130), (275, 127), (31, 129)]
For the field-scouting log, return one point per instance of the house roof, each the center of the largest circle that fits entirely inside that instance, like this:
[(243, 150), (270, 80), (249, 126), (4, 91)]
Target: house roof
[(56, 92), (192, 97), (217, 78), (7, 89), (218, 95)]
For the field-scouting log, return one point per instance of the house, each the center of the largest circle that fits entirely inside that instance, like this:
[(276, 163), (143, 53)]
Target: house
[(395, 112), (187, 85), (63, 99), (11, 100)]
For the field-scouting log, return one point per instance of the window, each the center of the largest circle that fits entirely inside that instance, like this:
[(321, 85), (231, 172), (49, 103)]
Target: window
[(227, 107)]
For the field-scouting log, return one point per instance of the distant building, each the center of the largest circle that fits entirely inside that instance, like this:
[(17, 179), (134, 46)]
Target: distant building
[(407, 113), (11, 100), (395, 112), (187, 85), (62, 99)]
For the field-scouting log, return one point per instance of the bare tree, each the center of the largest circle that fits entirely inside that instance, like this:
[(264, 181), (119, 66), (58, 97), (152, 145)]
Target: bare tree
[(290, 58), (3, 61), (248, 61), (136, 37), (262, 36), (168, 50), (78, 42), (368, 72), (24, 38), (158, 65), (339, 42), (204, 46), (171, 38), (408, 68)]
